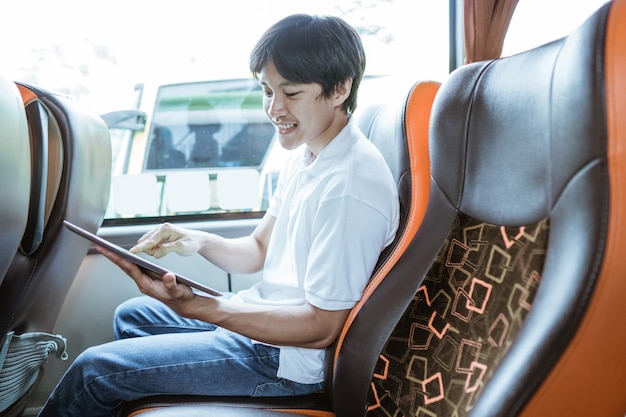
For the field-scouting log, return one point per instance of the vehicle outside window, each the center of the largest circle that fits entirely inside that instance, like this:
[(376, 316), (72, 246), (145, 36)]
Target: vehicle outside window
[(203, 150), (209, 124)]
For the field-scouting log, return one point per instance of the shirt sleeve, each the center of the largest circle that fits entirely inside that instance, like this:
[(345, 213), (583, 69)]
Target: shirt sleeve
[(348, 237)]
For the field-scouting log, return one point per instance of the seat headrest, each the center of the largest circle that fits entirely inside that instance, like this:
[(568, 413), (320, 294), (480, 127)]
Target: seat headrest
[(519, 117)]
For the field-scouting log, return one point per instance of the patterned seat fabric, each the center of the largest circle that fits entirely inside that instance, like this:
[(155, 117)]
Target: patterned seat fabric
[(461, 321)]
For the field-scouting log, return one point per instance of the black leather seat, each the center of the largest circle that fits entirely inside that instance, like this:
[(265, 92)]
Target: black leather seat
[(71, 173)]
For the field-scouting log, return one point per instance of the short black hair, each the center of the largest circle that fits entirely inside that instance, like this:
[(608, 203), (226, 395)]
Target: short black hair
[(313, 49)]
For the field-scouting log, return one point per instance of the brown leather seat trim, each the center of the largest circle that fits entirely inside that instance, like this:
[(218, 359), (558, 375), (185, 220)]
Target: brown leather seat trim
[(416, 119), (589, 377), (27, 94)]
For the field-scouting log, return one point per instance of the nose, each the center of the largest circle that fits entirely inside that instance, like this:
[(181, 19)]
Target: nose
[(275, 107)]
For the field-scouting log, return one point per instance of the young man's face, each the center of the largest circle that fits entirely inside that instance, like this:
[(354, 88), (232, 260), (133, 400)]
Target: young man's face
[(300, 113)]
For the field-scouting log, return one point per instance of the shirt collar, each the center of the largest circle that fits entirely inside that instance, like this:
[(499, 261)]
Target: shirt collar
[(335, 150)]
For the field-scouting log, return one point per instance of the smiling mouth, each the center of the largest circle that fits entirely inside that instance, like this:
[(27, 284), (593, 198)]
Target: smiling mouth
[(285, 127)]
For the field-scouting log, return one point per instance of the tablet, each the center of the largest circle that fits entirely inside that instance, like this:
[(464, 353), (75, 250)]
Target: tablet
[(151, 269)]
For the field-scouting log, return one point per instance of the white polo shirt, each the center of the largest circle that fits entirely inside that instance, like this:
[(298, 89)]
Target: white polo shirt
[(334, 215)]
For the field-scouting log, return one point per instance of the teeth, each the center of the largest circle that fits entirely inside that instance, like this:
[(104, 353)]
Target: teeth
[(287, 125)]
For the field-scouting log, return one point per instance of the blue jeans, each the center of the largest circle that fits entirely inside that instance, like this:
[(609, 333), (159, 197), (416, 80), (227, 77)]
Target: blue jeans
[(178, 356)]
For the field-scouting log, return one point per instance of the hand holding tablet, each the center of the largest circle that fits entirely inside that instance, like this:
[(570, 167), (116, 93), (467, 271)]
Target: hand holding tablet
[(151, 269)]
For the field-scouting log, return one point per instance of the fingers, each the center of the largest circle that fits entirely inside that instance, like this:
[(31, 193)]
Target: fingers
[(127, 266), (175, 290), (168, 238), (163, 288), (147, 243), (155, 242), (163, 249), (144, 282)]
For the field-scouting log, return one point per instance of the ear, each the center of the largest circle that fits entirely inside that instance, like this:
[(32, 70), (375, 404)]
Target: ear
[(342, 92)]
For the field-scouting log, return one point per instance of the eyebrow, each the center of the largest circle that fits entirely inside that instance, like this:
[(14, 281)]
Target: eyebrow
[(285, 83)]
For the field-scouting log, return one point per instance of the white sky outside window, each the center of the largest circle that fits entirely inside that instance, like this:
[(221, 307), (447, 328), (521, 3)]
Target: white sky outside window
[(99, 51)]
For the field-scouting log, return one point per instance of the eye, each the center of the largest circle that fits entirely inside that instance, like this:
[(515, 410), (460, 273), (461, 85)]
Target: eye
[(291, 94), (267, 92)]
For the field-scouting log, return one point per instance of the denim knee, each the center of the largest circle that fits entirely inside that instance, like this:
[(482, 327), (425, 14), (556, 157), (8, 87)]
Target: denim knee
[(86, 367), (145, 316), (127, 316)]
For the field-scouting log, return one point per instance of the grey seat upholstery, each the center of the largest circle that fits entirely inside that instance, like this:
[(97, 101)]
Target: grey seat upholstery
[(14, 172), (72, 151)]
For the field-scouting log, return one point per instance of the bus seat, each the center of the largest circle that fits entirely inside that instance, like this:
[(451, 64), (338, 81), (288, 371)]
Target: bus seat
[(71, 152), (14, 172), (517, 304), (400, 132)]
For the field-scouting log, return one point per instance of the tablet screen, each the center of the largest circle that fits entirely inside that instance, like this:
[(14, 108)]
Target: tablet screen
[(149, 268)]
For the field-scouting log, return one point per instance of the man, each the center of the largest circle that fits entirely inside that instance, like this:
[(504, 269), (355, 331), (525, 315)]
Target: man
[(334, 211)]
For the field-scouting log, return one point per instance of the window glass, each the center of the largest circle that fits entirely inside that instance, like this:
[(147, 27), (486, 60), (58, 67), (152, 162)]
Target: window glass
[(212, 124), (199, 132)]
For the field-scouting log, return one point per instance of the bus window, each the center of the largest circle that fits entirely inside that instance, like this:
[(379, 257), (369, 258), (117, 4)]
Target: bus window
[(198, 131)]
